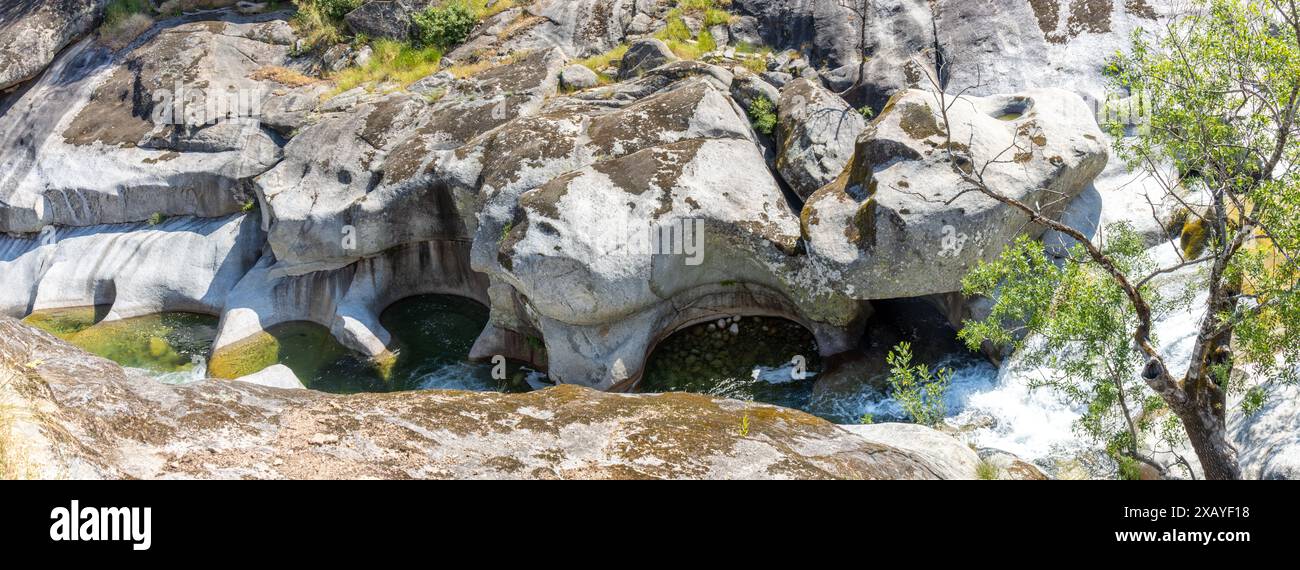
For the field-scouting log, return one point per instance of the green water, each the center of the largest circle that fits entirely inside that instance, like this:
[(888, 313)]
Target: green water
[(307, 348), (162, 343), (711, 360), (432, 337)]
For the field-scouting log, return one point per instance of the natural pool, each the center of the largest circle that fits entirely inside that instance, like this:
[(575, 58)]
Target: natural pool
[(750, 358), (432, 337), (756, 361), (170, 345)]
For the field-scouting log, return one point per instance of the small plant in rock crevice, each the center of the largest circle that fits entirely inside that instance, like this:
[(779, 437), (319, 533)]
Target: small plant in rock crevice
[(762, 114)]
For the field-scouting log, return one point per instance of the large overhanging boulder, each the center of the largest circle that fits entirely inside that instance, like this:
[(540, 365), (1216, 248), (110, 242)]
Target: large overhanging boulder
[(82, 417), (331, 201), (588, 256), (900, 222), (104, 138), (572, 199), (348, 300), (33, 32)]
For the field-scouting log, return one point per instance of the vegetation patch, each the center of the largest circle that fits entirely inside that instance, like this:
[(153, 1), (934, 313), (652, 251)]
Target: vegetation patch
[(283, 76), (445, 26), (391, 62), (762, 114), (711, 12), (124, 21), (598, 63), (918, 390), (317, 24)]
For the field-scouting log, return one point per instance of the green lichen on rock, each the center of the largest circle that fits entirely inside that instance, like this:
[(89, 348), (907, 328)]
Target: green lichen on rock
[(918, 121)]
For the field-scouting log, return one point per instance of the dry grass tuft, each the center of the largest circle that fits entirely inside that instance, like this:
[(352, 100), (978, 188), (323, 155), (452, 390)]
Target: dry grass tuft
[(283, 76)]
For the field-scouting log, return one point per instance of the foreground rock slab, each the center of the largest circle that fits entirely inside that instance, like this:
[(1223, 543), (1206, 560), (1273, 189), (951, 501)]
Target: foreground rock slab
[(74, 415)]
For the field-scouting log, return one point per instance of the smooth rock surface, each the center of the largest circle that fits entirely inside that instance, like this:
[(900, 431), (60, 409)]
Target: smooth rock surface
[(954, 459), (275, 376), (181, 264), (88, 145), (90, 419), (644, 55), (578, 77)]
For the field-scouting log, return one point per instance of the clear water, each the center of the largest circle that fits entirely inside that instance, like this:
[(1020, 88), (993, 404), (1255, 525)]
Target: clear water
[(756, 363), (432, 336), (170, 345)]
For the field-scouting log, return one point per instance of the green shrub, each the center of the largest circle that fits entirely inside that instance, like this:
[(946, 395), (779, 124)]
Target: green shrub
[(124, 21), (445, 26), (919, 391), (1128, 469), (316, 27), (762, 113), (338, 8)]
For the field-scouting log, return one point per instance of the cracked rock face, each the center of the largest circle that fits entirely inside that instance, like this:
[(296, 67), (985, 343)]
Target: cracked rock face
[(91, 143), (1041, 43), (382, 154), (85, 417), (898, 222), (32, 32), (816, 131)]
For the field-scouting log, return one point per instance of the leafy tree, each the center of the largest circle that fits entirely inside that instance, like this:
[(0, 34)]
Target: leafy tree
[(1221, 88), (918, 390), (1081, 320)]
